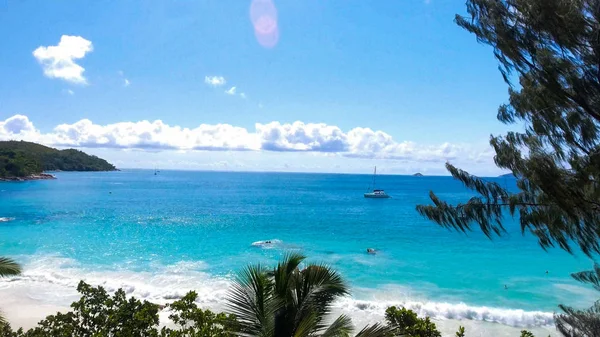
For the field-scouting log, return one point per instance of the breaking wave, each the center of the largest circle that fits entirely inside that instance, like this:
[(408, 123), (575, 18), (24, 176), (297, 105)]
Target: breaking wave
[(59, 277)]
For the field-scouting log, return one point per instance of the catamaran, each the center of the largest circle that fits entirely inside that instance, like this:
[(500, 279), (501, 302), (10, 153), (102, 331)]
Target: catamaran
[(376, 194)]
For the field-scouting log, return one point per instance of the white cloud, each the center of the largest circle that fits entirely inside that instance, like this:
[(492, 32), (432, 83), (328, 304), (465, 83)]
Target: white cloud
[(153, 135), (19, 127), (301, 137), (215, 81), (243, 95), (59, 61), (15, 125), (126, 81), (69, 92), (317, 138), (231, 91)]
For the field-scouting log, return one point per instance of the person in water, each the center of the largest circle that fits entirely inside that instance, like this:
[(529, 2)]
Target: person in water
[(370, 251)]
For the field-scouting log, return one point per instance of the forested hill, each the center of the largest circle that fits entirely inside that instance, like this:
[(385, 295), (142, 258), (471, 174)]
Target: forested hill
[(21, 159)]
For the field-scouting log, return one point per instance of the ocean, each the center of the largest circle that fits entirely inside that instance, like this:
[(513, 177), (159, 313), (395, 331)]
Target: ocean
[(159, 236)]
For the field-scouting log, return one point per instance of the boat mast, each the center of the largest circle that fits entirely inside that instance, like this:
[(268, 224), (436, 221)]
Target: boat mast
[(374, 174)]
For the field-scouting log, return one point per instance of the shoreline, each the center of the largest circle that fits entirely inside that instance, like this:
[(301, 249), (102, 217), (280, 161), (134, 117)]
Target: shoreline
[(43, 176), (38, 176), (25, 305), (48, 285)]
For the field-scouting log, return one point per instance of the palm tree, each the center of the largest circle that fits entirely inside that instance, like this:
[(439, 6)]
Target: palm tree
[(286, 301), (8, 267)]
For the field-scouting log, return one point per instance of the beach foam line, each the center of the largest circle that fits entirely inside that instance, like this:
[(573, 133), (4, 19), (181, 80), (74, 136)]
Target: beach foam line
[(454, 311), (6, 219), (52, 280)]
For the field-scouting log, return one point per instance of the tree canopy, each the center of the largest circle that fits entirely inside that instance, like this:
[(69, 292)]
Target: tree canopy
[(553, 48), (17, 164)]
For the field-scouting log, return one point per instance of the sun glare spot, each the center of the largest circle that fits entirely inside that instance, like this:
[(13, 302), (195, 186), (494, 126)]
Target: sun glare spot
[(263, 15)]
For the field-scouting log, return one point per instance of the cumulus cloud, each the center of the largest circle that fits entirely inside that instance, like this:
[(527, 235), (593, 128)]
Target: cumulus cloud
[(17, 124), (19, 127), (215, 81), (231, 91), (273, 137), (59, 61), (153, 135), (301, 137)]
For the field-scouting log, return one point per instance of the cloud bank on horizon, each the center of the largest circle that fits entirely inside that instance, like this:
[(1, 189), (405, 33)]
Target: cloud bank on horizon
[(272, 137)]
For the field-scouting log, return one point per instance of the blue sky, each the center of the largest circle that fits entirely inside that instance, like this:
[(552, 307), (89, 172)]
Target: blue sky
[(419, 89)]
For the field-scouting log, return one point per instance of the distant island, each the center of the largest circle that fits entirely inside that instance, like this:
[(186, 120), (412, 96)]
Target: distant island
[(417, 175), (21, 160)]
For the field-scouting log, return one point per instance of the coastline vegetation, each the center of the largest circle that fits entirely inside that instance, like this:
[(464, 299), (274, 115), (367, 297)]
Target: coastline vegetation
[(22, 159), (17, 164)]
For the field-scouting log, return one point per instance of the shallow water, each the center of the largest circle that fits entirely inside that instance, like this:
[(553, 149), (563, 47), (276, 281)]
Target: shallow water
[(159, 236)]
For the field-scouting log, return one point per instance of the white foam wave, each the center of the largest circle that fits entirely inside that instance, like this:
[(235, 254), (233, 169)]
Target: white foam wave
[(455, 311), (160, 285), (6, 219), (53, 279), (268, 244)]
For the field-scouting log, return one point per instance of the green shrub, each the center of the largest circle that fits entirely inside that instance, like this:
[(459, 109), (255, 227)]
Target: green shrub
[(99, 314), (404, 322), (193, 321)]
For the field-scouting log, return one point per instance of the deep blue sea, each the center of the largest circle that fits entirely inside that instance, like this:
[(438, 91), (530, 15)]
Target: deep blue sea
[(158, 236)]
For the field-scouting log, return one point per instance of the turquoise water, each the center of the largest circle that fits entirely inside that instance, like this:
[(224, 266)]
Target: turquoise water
[(199, 229)]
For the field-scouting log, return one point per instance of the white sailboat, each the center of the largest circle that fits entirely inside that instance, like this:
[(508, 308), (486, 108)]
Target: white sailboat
[(376, 194)]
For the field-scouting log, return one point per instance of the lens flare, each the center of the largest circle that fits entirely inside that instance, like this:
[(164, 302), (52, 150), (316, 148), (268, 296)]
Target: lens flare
[(263, 15)]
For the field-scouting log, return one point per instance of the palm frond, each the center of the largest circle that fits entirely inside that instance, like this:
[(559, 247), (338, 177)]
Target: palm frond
[(375, 330), (284, 271), (307, 326), (8, 267), (341, 327), (250, 300), (321, 285)]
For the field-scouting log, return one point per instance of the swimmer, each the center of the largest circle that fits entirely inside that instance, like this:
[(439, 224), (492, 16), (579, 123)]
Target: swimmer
[(505, 287), (370, 251)]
